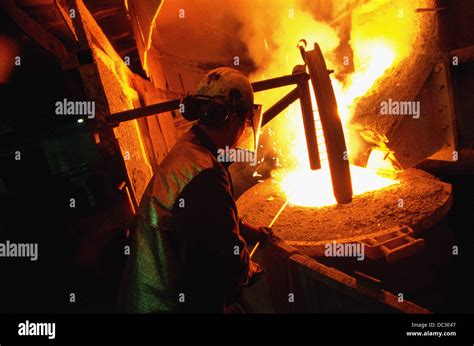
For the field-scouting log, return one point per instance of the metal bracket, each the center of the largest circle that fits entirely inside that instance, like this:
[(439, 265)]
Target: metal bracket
[(439, 84), (394, 246)]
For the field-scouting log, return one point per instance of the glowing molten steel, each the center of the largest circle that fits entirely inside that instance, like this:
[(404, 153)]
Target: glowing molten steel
[(381, 36), (309, 188)]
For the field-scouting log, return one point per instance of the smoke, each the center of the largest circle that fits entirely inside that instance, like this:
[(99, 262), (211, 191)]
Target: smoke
[(359, 39), (271, 30)]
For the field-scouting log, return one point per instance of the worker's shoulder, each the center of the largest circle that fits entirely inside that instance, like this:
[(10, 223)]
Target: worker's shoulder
[(186, 167), (188, 160), (187, 154)]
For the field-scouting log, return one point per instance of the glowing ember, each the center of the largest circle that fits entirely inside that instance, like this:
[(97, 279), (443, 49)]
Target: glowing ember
[(308, 188), (381, 35)]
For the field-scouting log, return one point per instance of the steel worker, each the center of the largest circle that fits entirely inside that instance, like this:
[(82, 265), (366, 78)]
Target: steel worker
[(189, 251)]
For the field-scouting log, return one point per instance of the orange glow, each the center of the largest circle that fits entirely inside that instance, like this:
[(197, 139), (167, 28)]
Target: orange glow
[(380, 57), (10, 51), (382, 35), (308, 188)]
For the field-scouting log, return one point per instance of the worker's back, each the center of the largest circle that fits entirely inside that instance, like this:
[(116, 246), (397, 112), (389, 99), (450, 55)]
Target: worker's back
[(158, 277)]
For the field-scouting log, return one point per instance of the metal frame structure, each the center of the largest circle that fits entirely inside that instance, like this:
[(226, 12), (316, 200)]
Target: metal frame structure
[(327, 106)]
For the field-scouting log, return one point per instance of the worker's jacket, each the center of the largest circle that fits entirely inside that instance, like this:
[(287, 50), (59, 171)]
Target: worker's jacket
[(187, 254)]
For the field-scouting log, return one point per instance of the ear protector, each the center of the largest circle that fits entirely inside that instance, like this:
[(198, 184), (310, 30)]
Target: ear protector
[(211, 110)]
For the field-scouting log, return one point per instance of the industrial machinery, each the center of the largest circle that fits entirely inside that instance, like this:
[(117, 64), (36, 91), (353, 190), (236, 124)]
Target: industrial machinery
[(351, 221), (357, 182)]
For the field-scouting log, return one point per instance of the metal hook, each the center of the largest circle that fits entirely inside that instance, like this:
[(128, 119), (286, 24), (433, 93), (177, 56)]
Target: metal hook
[(301, 46), (302, 41)]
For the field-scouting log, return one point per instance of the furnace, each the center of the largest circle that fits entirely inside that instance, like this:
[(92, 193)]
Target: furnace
[(363, 169), (386, 221)]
